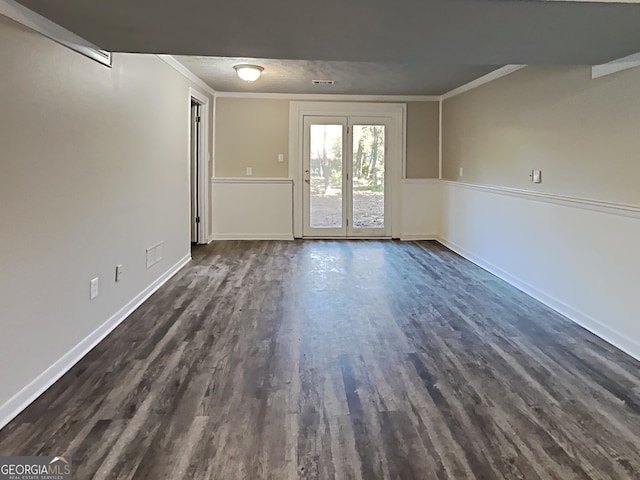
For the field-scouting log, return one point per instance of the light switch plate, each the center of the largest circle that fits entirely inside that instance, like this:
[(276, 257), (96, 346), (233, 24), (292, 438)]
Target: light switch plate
[(249, 171), (119, 272), (280, 157), (536, 176), (94, 288)]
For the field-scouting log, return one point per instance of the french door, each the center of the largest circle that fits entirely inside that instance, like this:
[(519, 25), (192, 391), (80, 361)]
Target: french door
[(345, 177)]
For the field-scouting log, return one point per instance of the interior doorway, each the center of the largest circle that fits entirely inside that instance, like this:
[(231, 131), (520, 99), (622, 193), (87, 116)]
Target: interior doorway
[(198, 168), (196, 135)]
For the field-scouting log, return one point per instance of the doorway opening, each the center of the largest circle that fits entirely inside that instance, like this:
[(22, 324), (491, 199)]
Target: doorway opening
[(196, 135), (198, 168)]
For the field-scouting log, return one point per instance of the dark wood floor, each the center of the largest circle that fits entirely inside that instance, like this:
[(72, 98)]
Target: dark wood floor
[(350, 360)]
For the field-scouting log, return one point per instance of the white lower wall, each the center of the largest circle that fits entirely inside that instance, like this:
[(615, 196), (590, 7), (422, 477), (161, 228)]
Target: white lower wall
[(245, 209), (580, 259), (259, 209), (421, 209)]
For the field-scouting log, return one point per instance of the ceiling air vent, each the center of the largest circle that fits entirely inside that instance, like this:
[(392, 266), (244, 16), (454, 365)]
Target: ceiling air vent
[(323, 82)]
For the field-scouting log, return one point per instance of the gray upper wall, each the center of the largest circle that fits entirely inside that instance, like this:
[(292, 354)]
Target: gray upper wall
[(582, 133), (252, 132), (423, 127)]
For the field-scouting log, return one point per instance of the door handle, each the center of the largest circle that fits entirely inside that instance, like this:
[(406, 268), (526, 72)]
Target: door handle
[(306, 177)]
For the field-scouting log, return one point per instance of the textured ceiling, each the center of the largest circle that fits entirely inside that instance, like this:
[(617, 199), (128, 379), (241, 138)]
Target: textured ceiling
[(366, 78), (448, 41)]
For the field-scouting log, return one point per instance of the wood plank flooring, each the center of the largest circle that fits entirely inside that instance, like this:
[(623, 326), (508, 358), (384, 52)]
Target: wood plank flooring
[(346, 360)]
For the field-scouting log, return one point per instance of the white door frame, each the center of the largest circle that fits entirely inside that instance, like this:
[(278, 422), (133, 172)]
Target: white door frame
[(396, 155), (204, 179)]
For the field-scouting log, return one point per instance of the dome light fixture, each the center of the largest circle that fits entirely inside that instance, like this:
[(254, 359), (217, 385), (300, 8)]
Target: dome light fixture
[(248, 73)]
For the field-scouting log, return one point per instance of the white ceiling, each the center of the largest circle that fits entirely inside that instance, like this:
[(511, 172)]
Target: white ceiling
[(364, 78), (368, 46)]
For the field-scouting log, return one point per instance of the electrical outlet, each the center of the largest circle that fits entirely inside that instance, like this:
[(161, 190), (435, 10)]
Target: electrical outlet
[(119, 272), (95, 288), (249, 171), (281, 158), (461, 171)]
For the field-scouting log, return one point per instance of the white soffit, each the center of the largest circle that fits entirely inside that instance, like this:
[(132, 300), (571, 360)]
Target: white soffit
[(55, 32), (490, 77), (624, 63)]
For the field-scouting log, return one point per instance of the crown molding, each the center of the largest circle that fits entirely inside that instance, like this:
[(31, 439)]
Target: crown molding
[(489, 77), (330, 97), (185, 72)]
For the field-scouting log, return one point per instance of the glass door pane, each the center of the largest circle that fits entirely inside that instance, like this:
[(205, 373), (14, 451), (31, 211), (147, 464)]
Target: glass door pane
[(326, 176), (368, 165)]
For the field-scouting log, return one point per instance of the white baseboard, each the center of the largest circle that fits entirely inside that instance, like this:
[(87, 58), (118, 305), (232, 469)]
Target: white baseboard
[(42, 382), (615, 338), (418, 236), (252, 236)]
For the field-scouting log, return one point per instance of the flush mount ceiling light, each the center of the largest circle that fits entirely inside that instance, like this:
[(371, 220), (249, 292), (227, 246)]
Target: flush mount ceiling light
[(248, 73)]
